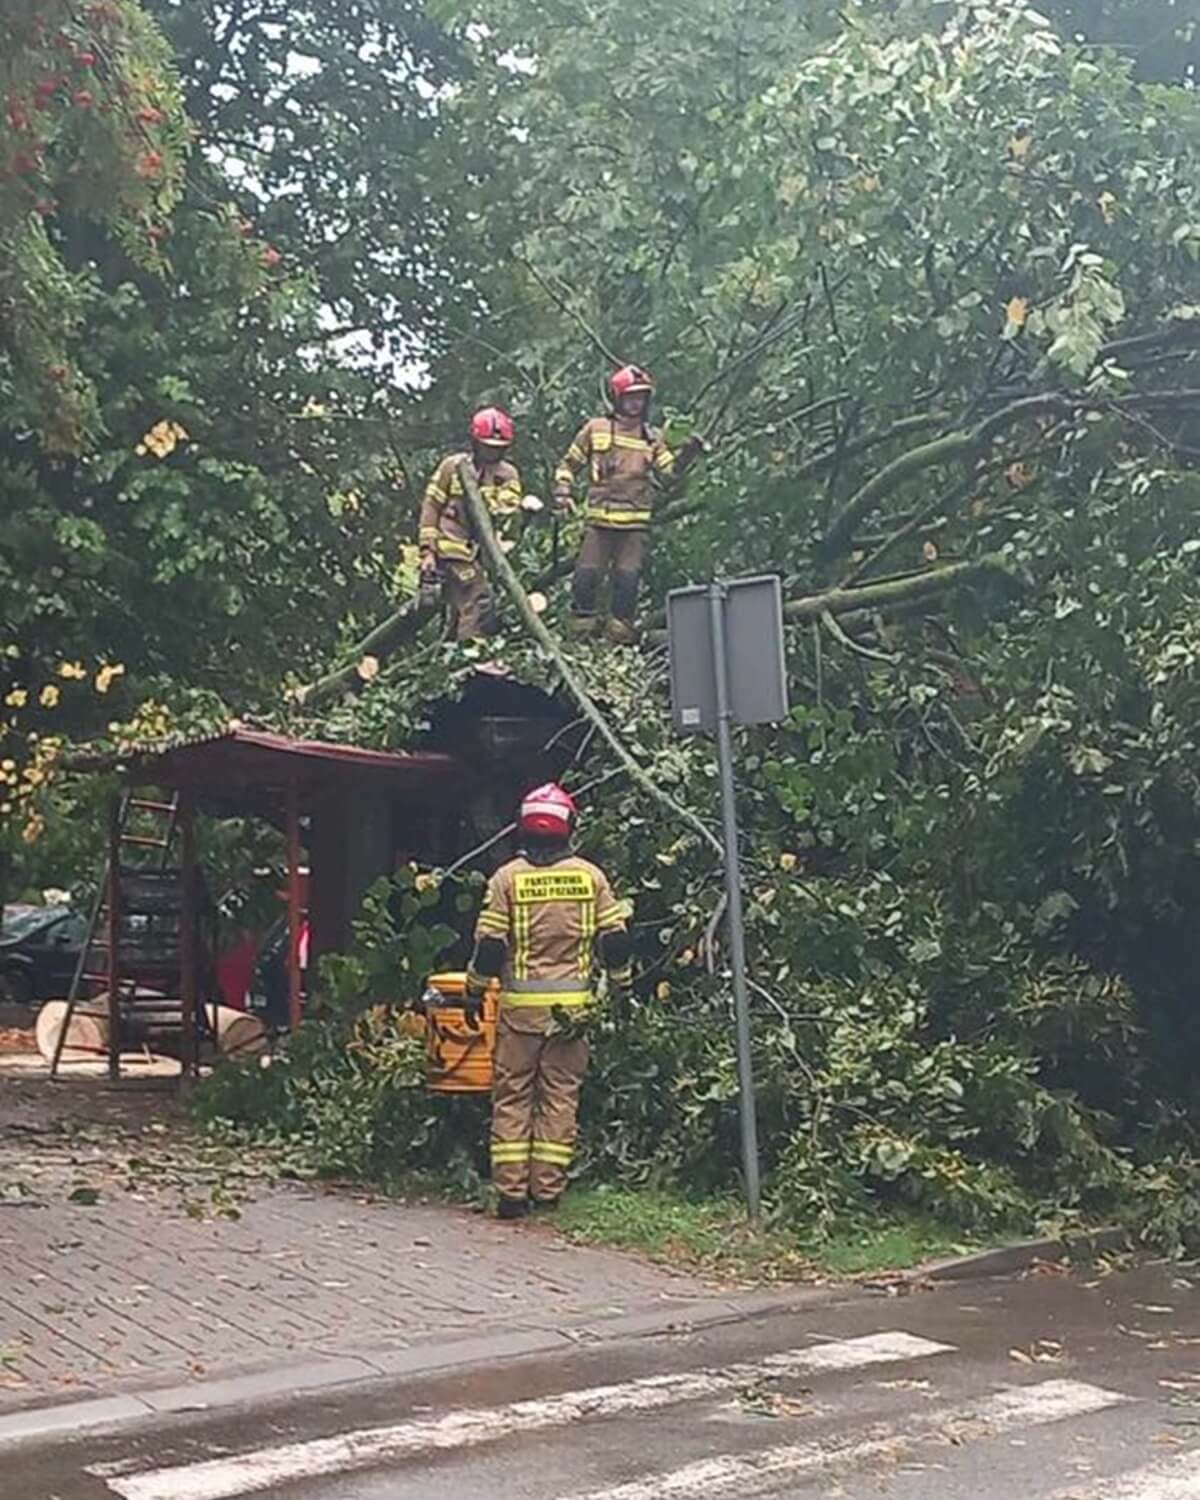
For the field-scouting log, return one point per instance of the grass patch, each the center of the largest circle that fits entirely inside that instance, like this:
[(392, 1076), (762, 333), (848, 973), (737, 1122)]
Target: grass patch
[(711, 1236)]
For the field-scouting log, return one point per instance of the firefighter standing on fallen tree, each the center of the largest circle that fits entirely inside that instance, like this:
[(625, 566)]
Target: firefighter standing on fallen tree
[(449, 553), (544, 913), (626, 460)]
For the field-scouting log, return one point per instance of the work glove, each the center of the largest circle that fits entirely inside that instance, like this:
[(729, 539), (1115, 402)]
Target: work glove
[(473, 1009), (429, 585), (564, 502), (690, 450), (620, 993)]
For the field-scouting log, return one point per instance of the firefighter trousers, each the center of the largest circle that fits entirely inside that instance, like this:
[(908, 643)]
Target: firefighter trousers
[(535, 1097), (605, 549), (466, 590)]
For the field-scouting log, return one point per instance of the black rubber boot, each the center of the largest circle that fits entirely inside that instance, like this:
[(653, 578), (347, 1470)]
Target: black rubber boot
[(512, 1208), (545, 1205)]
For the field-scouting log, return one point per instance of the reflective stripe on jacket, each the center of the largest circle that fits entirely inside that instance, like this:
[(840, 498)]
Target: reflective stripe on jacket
[(623, 463), (444, 527), (548, 917)]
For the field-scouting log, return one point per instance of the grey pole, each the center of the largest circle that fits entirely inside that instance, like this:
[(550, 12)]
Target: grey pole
[(733, 887)]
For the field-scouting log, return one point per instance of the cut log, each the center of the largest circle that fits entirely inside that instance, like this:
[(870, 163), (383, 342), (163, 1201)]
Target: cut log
[(87, 1035), (239, 1034)]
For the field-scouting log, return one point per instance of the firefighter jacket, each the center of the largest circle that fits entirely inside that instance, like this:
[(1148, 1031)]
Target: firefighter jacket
[(623, 461), (549, 917), (445, 527)]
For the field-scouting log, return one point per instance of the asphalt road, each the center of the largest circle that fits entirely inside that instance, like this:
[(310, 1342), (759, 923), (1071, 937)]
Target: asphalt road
[(1071, 1388)]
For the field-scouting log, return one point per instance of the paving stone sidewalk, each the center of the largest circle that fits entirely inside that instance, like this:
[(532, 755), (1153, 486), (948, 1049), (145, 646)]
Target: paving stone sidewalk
[(126, 1263)]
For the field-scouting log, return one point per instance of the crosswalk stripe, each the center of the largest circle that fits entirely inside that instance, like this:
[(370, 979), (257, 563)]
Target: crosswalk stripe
[(742, 1473), (1174, 1478), (243, 1474)]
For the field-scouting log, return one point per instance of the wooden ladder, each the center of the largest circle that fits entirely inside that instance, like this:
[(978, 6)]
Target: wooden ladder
[(146, 928)]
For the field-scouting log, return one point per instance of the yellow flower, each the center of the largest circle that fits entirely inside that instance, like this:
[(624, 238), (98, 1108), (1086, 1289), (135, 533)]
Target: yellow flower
[(662, 990), (8, 765), (368, 668), (72, 671), (107, 675), (162, 439), (49, 696), (787, 861), (1016, 313), (17, 698), (425, 881), (34, 829)]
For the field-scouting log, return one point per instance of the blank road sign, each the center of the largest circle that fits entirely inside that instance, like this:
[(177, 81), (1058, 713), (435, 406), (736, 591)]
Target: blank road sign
[(757, 674), (693, 689)]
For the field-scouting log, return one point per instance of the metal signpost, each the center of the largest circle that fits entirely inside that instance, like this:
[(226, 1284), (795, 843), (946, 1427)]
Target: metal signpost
[(727, 667)]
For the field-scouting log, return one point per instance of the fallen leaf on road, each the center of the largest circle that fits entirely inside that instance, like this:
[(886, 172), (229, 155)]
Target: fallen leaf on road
[(1040, 1352), (89, 1196), (760, 1401), (1049, 1268)]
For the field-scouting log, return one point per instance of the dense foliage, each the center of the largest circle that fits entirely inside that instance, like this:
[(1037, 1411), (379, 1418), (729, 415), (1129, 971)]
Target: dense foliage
[(927, 277)]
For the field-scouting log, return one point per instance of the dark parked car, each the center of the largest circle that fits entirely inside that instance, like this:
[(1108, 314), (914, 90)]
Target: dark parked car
[(39, 948)]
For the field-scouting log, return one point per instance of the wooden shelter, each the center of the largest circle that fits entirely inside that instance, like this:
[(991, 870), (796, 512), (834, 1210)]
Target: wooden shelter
[(350, 814)]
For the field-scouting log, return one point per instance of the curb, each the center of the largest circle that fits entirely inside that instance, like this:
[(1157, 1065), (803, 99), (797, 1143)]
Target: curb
[(326, 1371), (1010, 1260)]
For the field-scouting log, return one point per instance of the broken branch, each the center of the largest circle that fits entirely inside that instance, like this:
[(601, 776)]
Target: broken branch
[(879, 596), (502, 573)]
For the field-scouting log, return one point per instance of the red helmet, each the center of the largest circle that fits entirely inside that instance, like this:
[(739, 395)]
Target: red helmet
[(630, 378), (492, 426), (547, 809)]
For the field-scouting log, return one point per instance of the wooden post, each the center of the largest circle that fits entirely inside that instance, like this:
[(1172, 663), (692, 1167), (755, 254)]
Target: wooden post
[(188, 925), (294, 913), (114, 937)]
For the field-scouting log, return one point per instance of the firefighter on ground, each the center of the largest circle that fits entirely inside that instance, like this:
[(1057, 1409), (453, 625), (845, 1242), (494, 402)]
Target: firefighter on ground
[(547, 915), (449, 554), (627, 461)]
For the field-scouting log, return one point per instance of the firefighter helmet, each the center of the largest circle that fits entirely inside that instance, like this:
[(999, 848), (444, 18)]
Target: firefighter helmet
[(630, 378), (492, 426), (547, 809)]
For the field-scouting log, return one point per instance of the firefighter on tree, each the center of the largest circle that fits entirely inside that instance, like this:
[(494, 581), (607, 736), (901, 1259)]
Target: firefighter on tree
[(627, 461), (449, 553), (543, 915)]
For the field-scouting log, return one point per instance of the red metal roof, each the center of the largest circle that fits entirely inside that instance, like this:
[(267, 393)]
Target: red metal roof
[(240, 760), (326, 750)]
